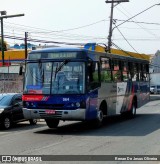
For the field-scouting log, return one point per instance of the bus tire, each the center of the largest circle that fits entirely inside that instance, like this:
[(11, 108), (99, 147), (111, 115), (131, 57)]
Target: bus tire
[(132, 112), (99, 120), (52, 123)]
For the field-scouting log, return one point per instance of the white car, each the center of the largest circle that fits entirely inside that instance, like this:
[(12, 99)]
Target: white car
[(152, 89), (158, 89)]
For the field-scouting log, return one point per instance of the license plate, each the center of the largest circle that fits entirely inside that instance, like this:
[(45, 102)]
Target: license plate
[(50, 111)]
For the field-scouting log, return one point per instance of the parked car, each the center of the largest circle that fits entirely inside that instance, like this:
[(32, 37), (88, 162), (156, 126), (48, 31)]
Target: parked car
[(155, 89), (158, 89), (11, 110), (152, 89)]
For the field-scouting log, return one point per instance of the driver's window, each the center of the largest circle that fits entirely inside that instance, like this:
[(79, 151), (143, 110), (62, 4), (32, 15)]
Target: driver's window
[(93, 76)]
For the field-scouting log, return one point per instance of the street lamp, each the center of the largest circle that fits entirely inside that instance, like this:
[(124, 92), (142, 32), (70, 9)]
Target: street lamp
[(4, 15)]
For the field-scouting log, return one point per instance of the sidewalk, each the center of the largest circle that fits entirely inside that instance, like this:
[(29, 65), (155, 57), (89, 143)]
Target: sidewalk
[(154, 97)]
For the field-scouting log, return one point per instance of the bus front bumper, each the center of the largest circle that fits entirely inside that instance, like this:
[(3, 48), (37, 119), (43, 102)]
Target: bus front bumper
[(78, 114)]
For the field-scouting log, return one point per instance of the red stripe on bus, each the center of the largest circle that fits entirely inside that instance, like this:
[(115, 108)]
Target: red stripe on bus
[(34, 98)]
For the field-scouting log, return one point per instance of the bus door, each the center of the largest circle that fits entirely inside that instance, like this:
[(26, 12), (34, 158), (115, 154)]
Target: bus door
[(93, 84)]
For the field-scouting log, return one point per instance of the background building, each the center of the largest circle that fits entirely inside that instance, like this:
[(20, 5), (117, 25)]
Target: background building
[(155, 69)]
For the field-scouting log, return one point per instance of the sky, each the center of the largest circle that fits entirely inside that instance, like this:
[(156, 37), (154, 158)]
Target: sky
[(84, 21)]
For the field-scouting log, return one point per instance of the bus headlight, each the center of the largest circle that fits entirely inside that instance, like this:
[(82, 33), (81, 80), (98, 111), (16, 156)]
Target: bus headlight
[(77, 104)]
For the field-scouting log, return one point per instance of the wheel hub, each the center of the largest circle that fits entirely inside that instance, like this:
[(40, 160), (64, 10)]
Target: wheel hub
[(7, 123)]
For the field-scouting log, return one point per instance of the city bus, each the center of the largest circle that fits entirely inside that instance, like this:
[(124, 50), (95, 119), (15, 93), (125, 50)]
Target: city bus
[(83, 85)]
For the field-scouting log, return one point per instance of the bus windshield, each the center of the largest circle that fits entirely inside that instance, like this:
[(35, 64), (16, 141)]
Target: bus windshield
[(63, 77)]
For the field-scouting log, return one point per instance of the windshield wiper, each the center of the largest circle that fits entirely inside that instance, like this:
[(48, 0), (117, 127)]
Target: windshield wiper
[(58, 68), (41, 70)]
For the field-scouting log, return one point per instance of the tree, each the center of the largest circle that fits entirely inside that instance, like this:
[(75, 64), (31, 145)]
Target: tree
[(4, 45)]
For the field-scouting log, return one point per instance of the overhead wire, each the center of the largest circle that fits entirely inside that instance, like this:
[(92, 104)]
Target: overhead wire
[(116, 26), (126, 39), (40, 40), (148, 23), (62, 35), (77, 28), (133, 17), (137, 14), (122, 49), (57, 34)]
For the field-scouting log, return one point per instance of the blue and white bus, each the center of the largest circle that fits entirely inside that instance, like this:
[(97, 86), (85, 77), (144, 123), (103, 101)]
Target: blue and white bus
[(80, 84)]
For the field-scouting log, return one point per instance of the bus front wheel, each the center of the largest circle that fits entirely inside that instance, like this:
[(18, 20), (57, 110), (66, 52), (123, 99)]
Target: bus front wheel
[(52, 123), (99, 120)]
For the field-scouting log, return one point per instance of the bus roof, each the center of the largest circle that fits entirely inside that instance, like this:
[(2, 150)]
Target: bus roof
[(57, 49), (73, 49)]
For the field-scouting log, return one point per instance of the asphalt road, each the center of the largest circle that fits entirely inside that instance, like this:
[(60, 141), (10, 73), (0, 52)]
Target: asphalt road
[(118, 136)]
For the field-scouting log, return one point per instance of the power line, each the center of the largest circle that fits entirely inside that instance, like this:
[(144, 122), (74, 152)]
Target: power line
[(80, 27), (57, 35), (71, 29), (149, 23), (134, 28), (27, 26), (145, 29), (126, 40), (41, 41), (138, 14), (60, 35), (122, 49), (125, 51), (139, 39)]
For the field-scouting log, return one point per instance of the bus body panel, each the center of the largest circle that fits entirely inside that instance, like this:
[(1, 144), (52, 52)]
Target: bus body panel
[(92, 101), (108, 93), (119, 96), (64, 107)]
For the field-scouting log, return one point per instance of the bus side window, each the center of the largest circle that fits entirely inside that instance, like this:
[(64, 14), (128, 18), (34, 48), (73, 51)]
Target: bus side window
[(105, 70), (124, 70), (145, 72), (132, 71), (137, 71), (93, 76), (142, 76), (117, 72)]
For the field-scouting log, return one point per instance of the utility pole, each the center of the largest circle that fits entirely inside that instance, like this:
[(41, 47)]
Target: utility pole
[(3, 15), (111, 21), (2, 39), (25, 43)]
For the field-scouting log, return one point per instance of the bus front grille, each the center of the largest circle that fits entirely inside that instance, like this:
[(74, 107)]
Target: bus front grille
[(57, 114), (50, 106)]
